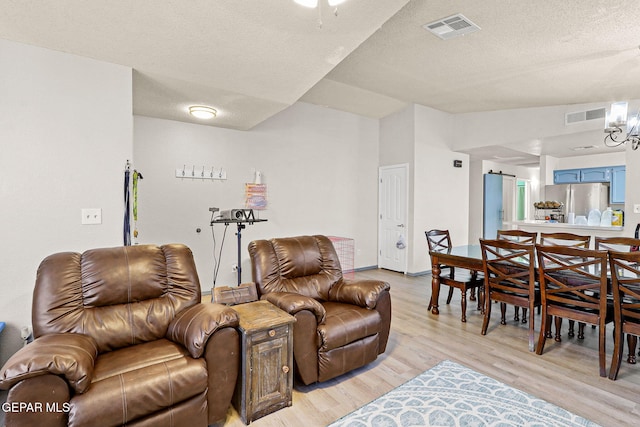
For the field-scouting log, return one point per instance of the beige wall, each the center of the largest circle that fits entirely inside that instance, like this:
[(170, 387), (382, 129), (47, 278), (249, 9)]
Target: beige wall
[(66, 132), (320, 167)]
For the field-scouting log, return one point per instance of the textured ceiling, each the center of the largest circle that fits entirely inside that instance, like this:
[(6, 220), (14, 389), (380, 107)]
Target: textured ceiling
[(252, 59)]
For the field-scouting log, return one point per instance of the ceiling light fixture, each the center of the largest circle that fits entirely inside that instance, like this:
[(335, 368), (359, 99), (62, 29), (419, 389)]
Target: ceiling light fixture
[(314, 3), (616, 120), (202, 112)]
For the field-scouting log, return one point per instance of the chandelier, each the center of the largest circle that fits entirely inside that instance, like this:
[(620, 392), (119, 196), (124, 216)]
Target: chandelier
[(616, 121)]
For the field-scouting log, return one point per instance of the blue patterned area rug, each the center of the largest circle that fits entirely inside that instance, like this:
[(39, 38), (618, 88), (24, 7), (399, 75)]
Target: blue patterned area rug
[(450, 394)]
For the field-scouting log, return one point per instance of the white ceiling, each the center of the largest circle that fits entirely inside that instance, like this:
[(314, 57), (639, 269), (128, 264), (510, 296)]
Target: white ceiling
[(250, 59)]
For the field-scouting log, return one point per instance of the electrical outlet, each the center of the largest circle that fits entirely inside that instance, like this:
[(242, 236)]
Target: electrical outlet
[(234, 268), (92, 216), (636, 208)]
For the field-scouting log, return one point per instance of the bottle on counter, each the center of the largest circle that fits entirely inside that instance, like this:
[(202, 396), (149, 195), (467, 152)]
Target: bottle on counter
[(606, 218), (618, 218)]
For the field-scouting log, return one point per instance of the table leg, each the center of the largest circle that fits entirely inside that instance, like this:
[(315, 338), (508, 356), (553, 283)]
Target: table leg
[(435, 289)]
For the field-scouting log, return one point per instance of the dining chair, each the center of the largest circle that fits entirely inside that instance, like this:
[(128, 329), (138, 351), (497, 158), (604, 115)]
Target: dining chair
[(519, 236), (575, 241), (621, 244), (509, 278), (565, 239), (465, 280), (573, 285), (625, 288)]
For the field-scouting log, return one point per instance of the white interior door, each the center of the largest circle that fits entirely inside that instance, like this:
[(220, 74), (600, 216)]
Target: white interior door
[(393, 231)]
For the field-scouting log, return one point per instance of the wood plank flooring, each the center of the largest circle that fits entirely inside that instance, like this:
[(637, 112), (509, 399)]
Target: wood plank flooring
[(566, 374)]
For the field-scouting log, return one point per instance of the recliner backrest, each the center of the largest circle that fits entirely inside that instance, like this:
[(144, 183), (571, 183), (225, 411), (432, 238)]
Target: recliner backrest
[(306, 265), (120, 296)]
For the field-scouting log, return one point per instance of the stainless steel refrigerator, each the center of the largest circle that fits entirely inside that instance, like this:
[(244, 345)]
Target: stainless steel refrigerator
[(579, 198)]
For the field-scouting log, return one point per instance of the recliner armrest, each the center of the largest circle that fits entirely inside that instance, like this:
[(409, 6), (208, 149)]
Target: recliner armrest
[(364, 293), (193, 327), (66, 354), (293, 303)]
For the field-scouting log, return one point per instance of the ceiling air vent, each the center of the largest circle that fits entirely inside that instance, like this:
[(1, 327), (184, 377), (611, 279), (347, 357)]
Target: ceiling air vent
[(453, 26), (583, 116)]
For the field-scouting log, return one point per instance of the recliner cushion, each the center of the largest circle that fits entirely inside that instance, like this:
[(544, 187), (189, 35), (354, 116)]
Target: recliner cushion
[(346, 323), (137, 381)]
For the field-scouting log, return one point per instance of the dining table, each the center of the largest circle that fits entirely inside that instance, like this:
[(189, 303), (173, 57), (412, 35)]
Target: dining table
[(466, 256), (470, 257)]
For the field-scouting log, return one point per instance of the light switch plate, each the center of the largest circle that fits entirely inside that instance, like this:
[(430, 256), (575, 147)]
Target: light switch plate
[(92, 216), (636, 208)]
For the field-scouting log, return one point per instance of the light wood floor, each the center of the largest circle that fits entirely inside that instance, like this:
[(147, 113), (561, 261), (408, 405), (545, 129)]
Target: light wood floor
[(566, 374)]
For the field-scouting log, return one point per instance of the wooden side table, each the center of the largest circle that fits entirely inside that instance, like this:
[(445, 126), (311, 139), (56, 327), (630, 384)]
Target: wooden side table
[(266, 373)]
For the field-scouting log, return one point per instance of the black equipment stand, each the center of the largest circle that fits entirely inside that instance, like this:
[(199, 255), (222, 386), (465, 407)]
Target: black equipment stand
[(241, 224)]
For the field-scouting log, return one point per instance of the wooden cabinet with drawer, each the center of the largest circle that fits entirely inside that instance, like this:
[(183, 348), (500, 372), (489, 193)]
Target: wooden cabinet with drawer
[(266, 373)]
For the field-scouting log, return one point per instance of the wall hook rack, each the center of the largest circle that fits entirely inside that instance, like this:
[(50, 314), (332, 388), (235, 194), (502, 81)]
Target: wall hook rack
[(203, 172)]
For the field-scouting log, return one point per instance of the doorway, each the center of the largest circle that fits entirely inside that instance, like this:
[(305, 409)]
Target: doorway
[(393, 230)]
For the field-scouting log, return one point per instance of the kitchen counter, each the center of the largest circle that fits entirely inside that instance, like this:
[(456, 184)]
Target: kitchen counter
[(562, 225), (541, 226)]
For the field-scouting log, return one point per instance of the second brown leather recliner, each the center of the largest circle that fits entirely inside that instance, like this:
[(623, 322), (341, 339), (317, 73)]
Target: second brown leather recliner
[(340, 324)]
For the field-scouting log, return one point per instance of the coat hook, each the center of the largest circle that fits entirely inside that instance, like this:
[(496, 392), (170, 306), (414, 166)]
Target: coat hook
[(183, 168), (211, 173), (202, 173), (193, 170)]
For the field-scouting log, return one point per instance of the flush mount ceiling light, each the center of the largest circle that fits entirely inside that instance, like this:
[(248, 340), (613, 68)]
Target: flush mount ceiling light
[(202, 112), (616, 120)]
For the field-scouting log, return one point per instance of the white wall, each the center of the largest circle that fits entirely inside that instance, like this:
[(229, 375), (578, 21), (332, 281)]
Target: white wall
[(595, 160), (441, 190), (320, 166), (66, 132), (438, 192)]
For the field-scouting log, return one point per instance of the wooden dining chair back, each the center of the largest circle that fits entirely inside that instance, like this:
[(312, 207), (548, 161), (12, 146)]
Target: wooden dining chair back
[(573, 285), (625, 287), (440, 241), (617, 244), (565, 239), (519, 236), (509, 277), (571, 240)]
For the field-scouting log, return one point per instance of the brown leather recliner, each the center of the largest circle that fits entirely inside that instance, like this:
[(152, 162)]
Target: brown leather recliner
[(121, 337), (340, 324)]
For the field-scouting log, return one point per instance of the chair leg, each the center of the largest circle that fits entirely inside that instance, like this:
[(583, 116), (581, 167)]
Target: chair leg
[(617, 353), (547, 332), (503, 313), (558, 321), (450, 294), (581, 330), (524, 314), (602, 332), (531, 329), (487, 313), (632, 342), (544, 326), (571, 332), (516, 313), (474, 277)]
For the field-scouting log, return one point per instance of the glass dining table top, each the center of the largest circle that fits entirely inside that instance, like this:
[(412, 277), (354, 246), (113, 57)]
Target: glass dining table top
[(465, 251)]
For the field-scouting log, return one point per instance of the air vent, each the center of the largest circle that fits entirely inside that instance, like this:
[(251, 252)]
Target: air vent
[(583, 116), (453, 26)]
